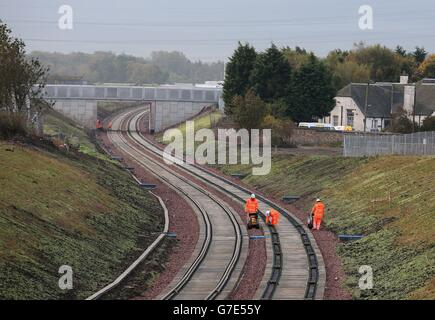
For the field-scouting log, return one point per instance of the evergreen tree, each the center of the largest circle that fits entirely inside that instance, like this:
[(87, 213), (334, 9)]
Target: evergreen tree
[(272, 74), (312, 93), (237, 74), (400, 51), (419, 54)]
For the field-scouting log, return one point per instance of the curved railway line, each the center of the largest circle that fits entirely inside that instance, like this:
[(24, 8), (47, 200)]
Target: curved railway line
[(208, 274), (295, 267)]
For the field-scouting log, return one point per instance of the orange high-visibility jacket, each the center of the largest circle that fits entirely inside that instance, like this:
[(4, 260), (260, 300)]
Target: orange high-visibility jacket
[(273, 217), (251, 206), (318, 209)]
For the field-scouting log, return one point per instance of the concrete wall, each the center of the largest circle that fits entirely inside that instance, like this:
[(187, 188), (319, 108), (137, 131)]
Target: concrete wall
[(312, 137), (82, 111), (165, 114)]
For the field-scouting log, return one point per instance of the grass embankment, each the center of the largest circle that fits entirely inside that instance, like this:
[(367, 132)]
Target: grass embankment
[(203, 121), (388, 199), (57, 210), (56, 124), (60, 208)]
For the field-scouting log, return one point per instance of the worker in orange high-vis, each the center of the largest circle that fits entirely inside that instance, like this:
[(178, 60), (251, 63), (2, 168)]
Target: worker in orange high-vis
[(318, 212), (251, 209), (251, 205), (272, 217), (98, 124)]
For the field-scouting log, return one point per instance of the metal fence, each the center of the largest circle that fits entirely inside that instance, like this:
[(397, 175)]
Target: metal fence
[(420, 143)]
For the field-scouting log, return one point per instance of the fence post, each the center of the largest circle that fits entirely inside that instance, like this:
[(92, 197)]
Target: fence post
[(344, 145), (392, 144), (404, 144)]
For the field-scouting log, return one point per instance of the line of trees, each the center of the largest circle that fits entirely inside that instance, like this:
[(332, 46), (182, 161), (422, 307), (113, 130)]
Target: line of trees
[(292, 84), (161, 67), (295, 84), (379, 63)]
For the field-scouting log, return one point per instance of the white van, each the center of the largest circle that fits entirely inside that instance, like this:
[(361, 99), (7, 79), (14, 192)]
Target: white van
[(316, 125)]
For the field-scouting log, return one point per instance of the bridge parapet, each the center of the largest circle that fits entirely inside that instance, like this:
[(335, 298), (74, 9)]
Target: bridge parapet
[(169, 104), (132, 93)]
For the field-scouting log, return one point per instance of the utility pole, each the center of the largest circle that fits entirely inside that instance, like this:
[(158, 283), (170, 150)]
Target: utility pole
[(392, 97), (413, 107), (392, 104), (366, 105), (225, 71)]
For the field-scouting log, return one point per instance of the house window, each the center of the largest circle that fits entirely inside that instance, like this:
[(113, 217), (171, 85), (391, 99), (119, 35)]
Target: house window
[(335, 121), (349, 118), (374, 123)]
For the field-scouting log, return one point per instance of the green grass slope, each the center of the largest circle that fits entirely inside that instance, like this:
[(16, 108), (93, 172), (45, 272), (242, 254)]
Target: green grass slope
[(55, 123), (63, 209), (388, 199), (202, 121)]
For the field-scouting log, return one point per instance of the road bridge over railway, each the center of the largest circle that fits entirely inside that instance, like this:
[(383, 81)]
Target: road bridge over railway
[(169, 104)]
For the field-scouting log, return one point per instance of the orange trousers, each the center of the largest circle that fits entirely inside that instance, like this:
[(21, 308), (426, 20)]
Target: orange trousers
[(317, 221)]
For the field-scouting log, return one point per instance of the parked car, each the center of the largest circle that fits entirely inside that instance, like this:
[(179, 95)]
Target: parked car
[(343, 128)]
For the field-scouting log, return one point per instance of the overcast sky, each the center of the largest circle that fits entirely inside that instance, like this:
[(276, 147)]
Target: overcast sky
[(209, 29)]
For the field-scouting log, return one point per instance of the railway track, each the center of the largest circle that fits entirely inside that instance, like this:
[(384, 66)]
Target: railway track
[(295, 267), (297, 270), (216, 263)]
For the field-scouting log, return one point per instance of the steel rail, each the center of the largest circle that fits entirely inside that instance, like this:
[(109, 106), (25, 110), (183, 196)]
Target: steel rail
[(313, 274), (192, 269)]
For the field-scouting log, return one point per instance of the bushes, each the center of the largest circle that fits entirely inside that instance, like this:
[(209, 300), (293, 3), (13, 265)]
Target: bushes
[(428, 124), (400, 122), (249, 110), (12, 124), (282, 130)]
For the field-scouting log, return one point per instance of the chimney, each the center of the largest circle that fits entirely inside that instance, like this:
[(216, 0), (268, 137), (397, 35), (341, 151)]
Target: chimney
[(404, 79)]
